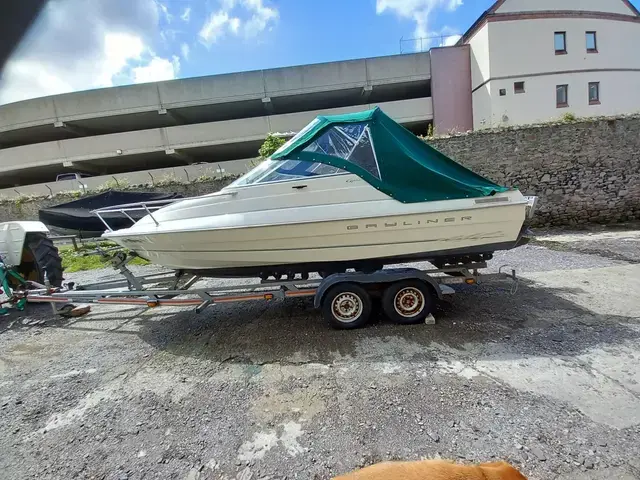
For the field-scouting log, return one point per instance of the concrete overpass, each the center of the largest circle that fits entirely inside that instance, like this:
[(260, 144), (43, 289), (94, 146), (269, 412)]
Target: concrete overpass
[(207, 119)]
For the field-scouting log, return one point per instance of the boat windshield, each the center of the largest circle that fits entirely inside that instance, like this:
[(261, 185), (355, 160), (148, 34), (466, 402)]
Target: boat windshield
[(280, 170)]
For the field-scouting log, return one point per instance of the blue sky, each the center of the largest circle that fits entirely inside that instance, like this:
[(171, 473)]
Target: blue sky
[(304, 32), (83, 44)]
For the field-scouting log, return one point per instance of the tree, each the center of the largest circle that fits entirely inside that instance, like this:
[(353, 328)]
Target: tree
[(270, 145)]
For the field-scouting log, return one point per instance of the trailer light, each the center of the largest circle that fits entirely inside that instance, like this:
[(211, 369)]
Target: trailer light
[(152, 303), (470, 281), (268, 296)]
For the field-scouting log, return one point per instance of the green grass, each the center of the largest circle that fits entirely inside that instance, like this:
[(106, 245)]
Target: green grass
[(79, 261)]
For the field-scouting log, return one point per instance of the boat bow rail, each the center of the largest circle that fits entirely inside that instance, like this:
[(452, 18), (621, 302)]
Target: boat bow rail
[(127, 208), (148, 207)]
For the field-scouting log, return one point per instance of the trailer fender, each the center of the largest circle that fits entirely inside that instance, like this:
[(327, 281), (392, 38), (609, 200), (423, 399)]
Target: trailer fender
[(381, 276), (12, 237)]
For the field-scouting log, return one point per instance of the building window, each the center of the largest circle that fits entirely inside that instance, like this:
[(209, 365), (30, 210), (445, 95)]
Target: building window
[(562, 96), (560, 42), (592, 43), (594, 93), (503, 92), (518, 87)]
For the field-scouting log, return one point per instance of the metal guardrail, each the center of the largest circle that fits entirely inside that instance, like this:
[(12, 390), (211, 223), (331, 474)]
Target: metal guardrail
[(148, 207), (125, 208)]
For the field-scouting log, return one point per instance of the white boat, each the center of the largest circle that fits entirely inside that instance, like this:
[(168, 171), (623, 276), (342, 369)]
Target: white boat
[(323, 203)]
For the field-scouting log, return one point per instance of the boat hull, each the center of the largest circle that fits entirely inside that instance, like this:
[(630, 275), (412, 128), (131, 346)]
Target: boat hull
[(335, 244), (328, 223), (464, 255)]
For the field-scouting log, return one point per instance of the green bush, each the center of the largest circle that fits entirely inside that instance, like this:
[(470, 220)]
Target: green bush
[(270, 145)]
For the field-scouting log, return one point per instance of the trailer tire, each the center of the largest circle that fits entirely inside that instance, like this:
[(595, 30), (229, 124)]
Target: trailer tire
[(408, 302), (346, 306), (40, 256)]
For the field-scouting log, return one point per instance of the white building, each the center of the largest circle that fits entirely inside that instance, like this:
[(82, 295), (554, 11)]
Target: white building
[(535, 60)]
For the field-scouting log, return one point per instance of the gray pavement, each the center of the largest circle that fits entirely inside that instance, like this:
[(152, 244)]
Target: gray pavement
[(546, 378)]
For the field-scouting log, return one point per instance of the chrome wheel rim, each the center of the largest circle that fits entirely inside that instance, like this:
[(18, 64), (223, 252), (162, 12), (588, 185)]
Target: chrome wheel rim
[(409, 302), (346, 307)]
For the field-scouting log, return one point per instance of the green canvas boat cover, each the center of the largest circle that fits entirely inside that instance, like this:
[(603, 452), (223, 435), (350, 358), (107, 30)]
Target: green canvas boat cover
[(386, 155)]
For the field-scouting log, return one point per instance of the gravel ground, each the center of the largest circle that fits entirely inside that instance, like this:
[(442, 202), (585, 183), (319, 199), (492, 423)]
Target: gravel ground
[(546, 378)]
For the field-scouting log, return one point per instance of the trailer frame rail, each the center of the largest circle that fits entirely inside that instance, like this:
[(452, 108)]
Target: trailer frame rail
[(178, 289)]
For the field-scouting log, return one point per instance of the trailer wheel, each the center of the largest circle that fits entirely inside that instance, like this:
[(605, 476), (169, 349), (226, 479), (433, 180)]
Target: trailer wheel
[(40, 256), (407, 302), (346, 306)]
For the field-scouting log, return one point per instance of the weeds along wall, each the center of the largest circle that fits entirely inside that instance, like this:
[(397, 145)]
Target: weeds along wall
[(584, 172)]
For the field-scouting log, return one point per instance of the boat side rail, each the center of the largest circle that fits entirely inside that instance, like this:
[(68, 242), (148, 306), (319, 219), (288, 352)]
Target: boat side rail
[(149, 207)]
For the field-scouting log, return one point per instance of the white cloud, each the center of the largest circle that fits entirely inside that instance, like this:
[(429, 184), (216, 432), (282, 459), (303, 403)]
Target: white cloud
[(228, 4), (261, 17), (165, 11), (234, 25), (215, 27), (186, 15), (246, 17), (110, 45), (450, 40), (26, 79), (119, 48), (445, 37), (169, 36), (185, 50), (417, 10), (407, 8), (158, 69)]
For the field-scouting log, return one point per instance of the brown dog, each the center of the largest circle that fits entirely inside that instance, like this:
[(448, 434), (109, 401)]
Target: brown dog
[(435, 470)]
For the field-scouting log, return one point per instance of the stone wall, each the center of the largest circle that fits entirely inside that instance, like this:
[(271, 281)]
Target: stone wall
[(584, 172)]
